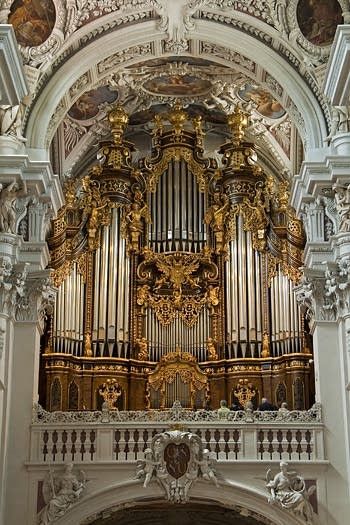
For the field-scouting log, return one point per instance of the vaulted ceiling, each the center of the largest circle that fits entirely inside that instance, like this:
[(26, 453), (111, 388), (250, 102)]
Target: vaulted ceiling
[(268, 56)]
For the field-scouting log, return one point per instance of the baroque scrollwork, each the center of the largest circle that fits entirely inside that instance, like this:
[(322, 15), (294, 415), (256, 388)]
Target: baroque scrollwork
[(176, 282)]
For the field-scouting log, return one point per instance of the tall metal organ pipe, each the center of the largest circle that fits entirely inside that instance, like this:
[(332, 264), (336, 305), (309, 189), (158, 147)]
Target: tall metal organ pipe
[(69, 315)]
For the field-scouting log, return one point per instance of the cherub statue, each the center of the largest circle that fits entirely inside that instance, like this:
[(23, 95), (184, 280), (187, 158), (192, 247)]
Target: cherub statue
[(145, 468), (60, 493), (212, 353), (142, 346), (288, 490), (207, 467)]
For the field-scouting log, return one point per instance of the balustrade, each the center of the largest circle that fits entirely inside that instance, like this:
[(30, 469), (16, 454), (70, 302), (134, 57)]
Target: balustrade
[(112, 436)]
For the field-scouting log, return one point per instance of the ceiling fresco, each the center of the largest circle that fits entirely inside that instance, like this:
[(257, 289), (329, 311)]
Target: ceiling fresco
[(263, 101), (318, 20), (148, 89), (88, 105), (177, 86), (32, 20)]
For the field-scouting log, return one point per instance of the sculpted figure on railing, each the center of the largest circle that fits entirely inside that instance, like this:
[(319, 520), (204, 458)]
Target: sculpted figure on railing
[(60, 493), (288, 490)]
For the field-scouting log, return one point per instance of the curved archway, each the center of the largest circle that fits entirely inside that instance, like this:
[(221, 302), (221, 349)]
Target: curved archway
[(225, 46), (243, 500)]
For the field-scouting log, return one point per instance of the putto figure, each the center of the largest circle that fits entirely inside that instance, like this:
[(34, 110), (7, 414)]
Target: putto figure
[(289, 492), (60, 493)]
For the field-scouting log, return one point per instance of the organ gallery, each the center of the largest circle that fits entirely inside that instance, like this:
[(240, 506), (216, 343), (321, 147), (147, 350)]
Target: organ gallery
[(175, 276)]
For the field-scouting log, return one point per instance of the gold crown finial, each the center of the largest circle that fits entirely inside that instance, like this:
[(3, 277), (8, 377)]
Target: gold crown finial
[(238, 122), (118, 119), (177, 116)]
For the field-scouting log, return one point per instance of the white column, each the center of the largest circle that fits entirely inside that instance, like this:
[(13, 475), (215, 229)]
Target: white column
[(330, 391), (23, 392)]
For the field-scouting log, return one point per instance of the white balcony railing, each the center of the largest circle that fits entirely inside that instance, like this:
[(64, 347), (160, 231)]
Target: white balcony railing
[(112, 436)]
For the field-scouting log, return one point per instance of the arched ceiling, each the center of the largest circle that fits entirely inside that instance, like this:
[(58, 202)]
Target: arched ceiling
[(83, 55), (190, 514)]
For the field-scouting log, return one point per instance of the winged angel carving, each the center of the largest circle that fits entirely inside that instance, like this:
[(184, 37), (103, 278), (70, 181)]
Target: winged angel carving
[(288, 491), (60, 493)]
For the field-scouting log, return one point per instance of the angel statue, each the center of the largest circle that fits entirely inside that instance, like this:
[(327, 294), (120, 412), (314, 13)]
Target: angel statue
[(145, 468), (60, 493), (207, 467), (288, 490)]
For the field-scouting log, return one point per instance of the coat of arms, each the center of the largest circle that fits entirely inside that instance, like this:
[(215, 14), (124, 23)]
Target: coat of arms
[(176, 459)]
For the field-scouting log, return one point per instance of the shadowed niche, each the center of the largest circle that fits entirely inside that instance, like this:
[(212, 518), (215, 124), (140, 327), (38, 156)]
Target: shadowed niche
[(191, 514)]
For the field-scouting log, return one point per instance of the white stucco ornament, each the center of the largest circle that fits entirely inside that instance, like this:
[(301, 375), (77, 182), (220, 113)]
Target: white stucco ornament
[(60, 493), (176, 459), (176, 20), (288, 490)]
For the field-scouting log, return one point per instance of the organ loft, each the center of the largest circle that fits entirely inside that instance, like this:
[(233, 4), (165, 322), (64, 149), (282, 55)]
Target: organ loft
[(175, 274)]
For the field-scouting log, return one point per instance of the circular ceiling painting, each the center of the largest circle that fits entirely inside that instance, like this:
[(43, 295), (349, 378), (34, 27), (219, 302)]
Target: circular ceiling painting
[(318, 20), (32, 20), (87, 106), (177, 86), (264, 102)]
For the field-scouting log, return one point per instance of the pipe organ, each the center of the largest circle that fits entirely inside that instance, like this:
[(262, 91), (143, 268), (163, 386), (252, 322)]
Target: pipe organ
[(175, 276)]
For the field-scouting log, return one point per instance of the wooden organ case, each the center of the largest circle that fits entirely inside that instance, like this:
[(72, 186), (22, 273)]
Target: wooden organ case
[(175, 277)]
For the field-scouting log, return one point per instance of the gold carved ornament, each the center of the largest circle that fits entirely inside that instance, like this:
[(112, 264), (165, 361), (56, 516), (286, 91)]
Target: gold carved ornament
[(142, 348), (174, 364), (211, 349), (96, 208), (134, 216), (176, 153), (111, 392), (244, 391), (181, 292)]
